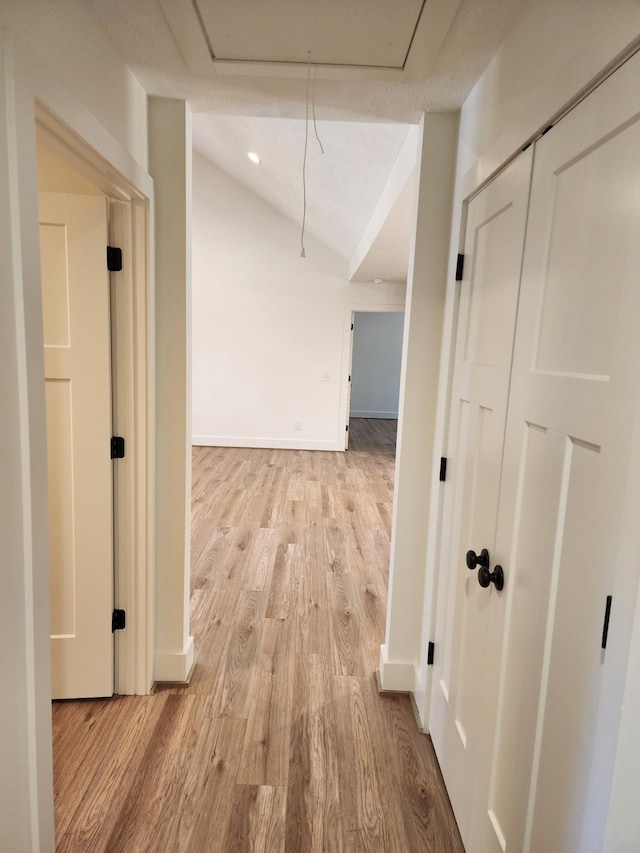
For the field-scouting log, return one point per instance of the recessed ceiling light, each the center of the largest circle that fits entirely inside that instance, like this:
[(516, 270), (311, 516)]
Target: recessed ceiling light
[(254, 158)]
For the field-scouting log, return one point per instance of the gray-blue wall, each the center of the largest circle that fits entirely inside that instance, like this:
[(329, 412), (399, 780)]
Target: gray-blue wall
[(375, 370)]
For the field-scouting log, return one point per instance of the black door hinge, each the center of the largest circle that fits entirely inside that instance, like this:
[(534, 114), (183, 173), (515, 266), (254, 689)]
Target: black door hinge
[(349, 377), (459, 267), (352, 327), (117, 447), (443, 469), (546, 130), (114, 259), (430, 650), (605, 627), (346, 429), (118, 620)]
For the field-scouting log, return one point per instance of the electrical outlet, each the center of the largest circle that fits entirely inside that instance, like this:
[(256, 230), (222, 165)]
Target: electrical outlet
[(297, 425)]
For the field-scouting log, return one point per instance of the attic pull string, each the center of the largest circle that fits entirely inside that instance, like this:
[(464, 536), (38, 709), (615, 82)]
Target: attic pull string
[(313, 104), (306, 145)]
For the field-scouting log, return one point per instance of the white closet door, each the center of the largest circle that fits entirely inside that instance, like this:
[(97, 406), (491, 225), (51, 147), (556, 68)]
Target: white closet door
[(565, 534), (75, 296), (484, 345)]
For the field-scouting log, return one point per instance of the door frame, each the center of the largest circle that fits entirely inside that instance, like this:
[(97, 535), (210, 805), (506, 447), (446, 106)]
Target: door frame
[(132, 399), (350, 310)]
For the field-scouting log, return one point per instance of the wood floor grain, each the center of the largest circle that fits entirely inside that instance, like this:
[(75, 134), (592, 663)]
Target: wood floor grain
[(281, 741)]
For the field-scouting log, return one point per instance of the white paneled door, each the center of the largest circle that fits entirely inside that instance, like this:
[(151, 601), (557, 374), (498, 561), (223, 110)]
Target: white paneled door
[(494, 237), (76, 325), (532, 695)]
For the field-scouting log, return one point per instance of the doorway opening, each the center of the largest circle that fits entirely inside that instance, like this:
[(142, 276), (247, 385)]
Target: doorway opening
[(373, 383), (69, 166)]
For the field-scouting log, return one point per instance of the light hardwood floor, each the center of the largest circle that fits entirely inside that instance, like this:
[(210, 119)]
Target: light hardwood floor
[(281, 741)]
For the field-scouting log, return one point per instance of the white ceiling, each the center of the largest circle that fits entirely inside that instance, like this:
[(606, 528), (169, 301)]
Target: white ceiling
[(343, 184), (376, 63), (388, 255), (332, 32), (164, 44)]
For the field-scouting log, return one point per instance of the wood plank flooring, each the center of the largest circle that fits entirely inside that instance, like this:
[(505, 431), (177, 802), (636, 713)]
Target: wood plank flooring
[(281, 741)]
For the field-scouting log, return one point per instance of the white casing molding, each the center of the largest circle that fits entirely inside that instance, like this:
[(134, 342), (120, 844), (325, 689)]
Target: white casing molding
[(170, 153), (424, 314)]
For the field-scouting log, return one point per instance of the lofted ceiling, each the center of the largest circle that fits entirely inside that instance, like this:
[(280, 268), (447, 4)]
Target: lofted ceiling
[(377, 63), (343, 184), (387, 258)]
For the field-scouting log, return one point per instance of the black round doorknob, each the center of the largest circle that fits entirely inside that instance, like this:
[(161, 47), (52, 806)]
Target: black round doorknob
[(485, 577), (473, 560)]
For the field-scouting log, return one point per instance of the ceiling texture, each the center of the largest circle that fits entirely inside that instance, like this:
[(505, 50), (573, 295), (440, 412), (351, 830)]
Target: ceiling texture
[(343, 184), (250, 67)]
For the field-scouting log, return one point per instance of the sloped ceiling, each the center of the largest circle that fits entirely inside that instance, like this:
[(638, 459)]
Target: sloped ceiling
[(380, 63), (343, 184), (388, 256)]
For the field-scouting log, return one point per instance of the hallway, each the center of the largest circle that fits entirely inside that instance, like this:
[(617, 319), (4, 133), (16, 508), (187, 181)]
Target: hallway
[(281, 741)]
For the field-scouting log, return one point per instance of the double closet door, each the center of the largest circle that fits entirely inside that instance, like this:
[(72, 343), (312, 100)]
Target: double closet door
[(542, 446)]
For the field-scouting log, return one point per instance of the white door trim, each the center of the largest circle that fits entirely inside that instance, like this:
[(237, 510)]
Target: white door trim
[(133, 403)]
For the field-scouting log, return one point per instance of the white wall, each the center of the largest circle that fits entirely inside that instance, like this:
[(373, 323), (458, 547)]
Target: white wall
[(54, 53), (73, 58), (268, 326), (555, 49), (375, 365)]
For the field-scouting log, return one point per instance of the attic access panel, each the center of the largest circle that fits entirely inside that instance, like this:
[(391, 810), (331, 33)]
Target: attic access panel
[(369, 33)]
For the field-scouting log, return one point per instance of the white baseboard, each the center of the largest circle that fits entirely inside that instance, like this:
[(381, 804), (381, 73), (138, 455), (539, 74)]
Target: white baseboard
[(175, 666), (395, 676), (390, 416), (268, 443)]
